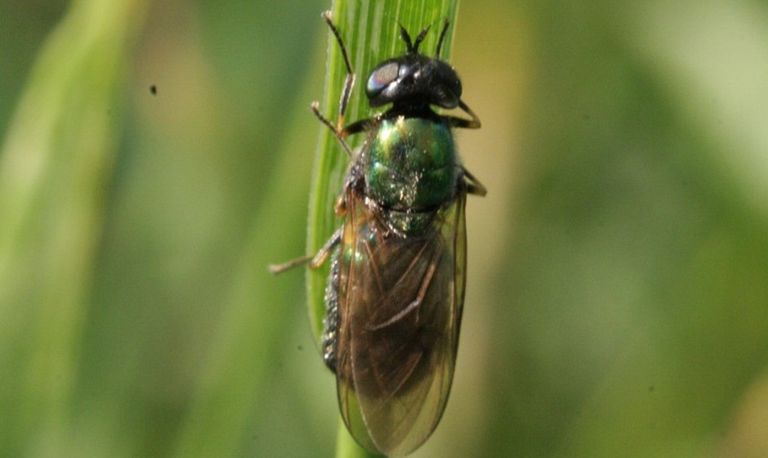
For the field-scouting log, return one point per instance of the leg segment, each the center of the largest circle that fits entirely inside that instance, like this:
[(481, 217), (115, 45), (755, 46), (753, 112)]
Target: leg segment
[(314, 261), (473, 123), (473, 184)]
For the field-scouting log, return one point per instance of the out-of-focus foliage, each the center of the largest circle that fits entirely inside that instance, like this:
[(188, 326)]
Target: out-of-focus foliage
[(617, 298)]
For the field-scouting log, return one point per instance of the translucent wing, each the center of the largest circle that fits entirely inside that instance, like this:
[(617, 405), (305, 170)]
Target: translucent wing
[(399, 316)]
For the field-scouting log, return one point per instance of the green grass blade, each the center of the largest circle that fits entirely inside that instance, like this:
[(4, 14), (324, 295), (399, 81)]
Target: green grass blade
[(371, 34)]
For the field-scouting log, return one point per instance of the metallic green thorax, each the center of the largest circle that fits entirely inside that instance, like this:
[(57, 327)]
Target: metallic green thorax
[(411, 165)]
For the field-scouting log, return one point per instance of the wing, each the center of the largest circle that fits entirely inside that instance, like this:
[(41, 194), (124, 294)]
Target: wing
[(400, 310)]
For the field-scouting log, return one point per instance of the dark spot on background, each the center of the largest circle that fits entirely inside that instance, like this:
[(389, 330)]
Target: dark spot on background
[(153, 89)]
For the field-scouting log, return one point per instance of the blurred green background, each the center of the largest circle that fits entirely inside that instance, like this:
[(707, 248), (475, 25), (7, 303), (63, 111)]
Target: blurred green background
[(618, 269)]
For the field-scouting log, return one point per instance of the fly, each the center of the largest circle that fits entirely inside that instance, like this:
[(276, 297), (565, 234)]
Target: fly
[(395, 292)]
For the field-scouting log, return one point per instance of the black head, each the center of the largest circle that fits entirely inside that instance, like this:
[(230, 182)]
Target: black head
[(414, 78)]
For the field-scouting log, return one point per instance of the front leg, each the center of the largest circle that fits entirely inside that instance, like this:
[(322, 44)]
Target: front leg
[(346, 92), (340, 131)]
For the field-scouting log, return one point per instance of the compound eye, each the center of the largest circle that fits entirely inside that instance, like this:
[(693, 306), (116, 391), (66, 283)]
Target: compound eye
[(381, 78)]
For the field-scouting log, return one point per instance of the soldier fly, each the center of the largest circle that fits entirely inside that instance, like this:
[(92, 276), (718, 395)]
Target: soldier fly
[(395, 292)]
